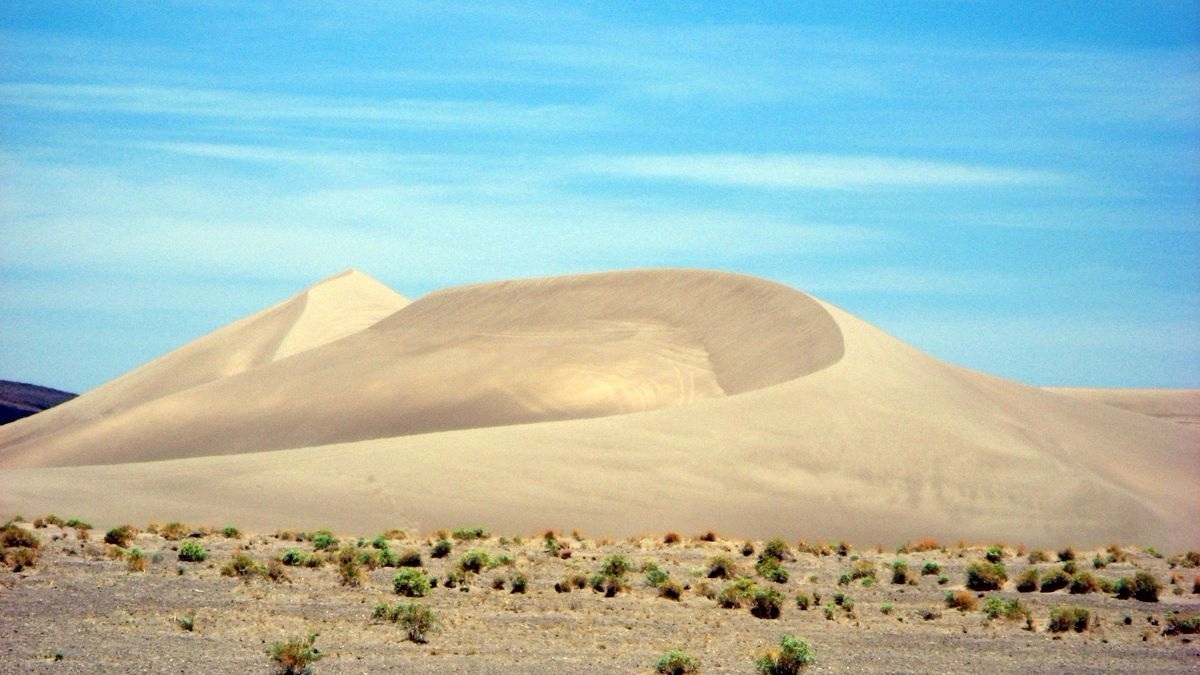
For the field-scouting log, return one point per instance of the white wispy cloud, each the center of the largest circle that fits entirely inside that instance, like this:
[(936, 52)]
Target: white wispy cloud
[(814, 171)]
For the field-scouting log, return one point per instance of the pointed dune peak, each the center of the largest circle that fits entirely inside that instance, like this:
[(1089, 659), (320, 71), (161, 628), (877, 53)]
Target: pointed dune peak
[(341, 305)]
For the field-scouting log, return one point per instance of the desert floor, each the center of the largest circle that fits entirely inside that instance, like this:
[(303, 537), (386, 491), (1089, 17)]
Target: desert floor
[(81, 609)]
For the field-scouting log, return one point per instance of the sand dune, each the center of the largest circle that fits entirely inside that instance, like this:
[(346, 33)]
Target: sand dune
[(619, 403), (1176, 405)]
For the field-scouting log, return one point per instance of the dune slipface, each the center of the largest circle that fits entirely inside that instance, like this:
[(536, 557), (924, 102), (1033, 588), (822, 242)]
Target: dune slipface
[(616, 402)]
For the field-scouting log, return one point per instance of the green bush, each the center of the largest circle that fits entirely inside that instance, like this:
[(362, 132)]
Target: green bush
[(1028, 581), (655, 575), (350, 573), (441, 548), (615, 565), (803, 601), (677, 662), (793, 655), (994, 554), (985, 576), (475, 561), (231, 532), (1142, 586), (996, 607), (930, 568), (771, 570), (776, 549), (1185, 623), (518, 582), (737, 592), (721, 567), (295, 655), (242, 565), (191, 550), (294, 557), (671, 590), (766, 603), (1084, 582), (417, 620), (411, 582), (1063, 619), (469, 533), (323, 540), (899, 572)]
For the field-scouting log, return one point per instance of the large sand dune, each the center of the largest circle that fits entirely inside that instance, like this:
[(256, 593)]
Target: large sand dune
[(618, 402)]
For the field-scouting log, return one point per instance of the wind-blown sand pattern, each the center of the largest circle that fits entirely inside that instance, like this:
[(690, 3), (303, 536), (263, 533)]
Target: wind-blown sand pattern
[(619, 402)]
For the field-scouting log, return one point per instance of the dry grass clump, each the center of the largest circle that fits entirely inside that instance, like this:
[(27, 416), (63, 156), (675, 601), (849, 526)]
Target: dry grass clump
[(708, 536), (1143, 586), (243, 566), (1054, 579), (671, 538), (1064, 618), (294, 656), (120, 535), (677, 662), (1027, 582), (792, 656), (986, 576), (19, 547), (963, 601), (174, 531), (721, 567)]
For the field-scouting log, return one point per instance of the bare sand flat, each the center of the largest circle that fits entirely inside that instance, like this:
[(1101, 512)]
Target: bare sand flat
[(618, 402), (1176, 405)]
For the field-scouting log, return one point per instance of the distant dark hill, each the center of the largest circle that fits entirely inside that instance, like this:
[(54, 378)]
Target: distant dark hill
[(18, 400)]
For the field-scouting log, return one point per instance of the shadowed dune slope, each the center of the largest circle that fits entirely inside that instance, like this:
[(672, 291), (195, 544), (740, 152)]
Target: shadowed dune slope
[(805, 422), (1176, 405), (329, 310), (483, 356)]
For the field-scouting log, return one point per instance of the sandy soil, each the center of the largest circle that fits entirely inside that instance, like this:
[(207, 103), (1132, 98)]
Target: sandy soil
[(79, 610)]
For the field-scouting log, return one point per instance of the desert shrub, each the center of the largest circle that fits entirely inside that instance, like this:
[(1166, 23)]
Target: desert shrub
[(498, 583), (174, 531), (1036, 557), (765, 603), (862, 569), (747, 549), (1196, 585), (1064, 618), (192, 550), (1189, 559), (120, 535), (293, 557), (776, 549), (1182, 623), (803, 601), (994, 554), (323, 540), (671, 538), (708, 536), (411, 582), (793, 655), (135, 560), (19, 547), (418, 621), (1054, 580), (231, 532), (608, 584), (469, 533), (930, 568), (242, 565), (671, 590), (409, 557), (963, 601), (737, 592), (985, 576), (996, 607), (721, 567), (1099, 562), (616, 565), (475, 561), (294, 656), (51, 520), (1070, 567), (655, 575), (1084, 582), (677, 662), (277, 573), (886, 608), (1027, 582), (84, 525), (1066, 554), (350, 573), (518, 582), (186, 621), (771, 570), (1143, 586), (441, 548), (899, 572), (574, 581)]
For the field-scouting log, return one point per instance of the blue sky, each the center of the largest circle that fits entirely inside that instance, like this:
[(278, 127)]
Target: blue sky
[(1013, 187)]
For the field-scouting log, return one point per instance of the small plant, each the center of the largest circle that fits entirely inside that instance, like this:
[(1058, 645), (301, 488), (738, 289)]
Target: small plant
[(243, 566), (677, 662), (994, 554), (747, 549), (518, 582), (187, 622), (886, 608), (19, 547), (192, 550), (411, 582), (294, 557), (418, 621), (277, 573), (996, 607), (135, 560), (1028, 581), (174, 531), (1066, 554), (962, 601), (771, 570), (294, 656), (1054, 580), (120, 535), (615, 565), (985, 576), (655, 575), (409, 557), (671, 590), (608, 584), (736, 593), (930, 568), (1038, 556), (1143, 586), (1182, 623), (441, 548), (231, 532), (803, 602), (1084, 582), (1064, 618), (793, 655), (671, 538), (776, 549), (899, 572), (708, 536), (475, 561)]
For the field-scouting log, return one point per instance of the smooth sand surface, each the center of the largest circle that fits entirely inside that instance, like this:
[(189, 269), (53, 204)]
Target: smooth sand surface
[(1176, 405), (619, 403)]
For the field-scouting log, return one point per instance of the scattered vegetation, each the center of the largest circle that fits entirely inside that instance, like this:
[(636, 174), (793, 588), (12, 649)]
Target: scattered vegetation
[(417, 620), (792, 656)]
